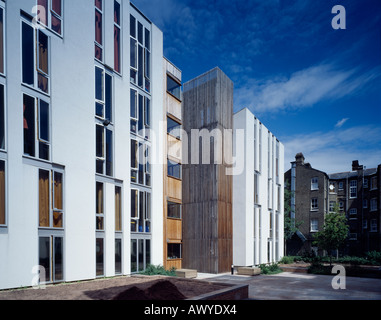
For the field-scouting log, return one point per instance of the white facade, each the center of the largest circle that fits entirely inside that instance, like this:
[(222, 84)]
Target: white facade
[(258, 206), (52, 207)]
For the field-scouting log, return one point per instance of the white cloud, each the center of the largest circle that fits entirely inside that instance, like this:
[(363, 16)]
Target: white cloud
[(302, 89), (341, 123), (334, 151)]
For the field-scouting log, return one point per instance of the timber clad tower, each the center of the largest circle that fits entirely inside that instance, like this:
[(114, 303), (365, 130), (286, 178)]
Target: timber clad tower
[(207, 190)]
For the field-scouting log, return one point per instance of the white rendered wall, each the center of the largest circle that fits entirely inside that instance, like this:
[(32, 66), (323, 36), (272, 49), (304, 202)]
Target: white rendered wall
[(251, 222), (72, 70)]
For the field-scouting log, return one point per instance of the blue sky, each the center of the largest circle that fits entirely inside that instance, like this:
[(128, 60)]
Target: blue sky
[(317, 89)]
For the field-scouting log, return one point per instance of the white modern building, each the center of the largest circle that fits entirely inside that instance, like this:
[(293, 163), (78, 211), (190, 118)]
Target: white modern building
[(258, 206), (81, 89)]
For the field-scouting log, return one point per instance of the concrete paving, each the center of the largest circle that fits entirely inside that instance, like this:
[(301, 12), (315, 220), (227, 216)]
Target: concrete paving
[(298, 286)]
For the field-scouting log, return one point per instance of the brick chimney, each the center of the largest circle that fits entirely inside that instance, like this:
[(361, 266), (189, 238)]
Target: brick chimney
[(299, 159), (356, 166)]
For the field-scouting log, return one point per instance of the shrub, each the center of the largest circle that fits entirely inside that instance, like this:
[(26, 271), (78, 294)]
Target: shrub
[(287, 260), (374, 257), (152, 270), (270, 269)]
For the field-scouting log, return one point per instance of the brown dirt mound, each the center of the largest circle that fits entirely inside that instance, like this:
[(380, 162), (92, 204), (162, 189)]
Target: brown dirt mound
[(162, 290), (133, 293)]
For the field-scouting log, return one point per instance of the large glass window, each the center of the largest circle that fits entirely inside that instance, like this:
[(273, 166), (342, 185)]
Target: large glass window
[(140, 55), (35, 73), (315, 183), (99, 30), (173, 87), (51, 258), (2, 193), (173, 128), (140, 254), (99, 244), (174, 169), (50, 14), (140, 211), (51, 209), (2, 69), (353, 189), (314, 204), (99, 217), (36, 135), (174, 251), (174, 210), (118, 256), (118, 209), (117, 32), (103, 94)]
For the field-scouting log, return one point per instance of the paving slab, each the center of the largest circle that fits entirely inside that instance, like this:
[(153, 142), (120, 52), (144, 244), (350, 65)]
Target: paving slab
[(296, 286)]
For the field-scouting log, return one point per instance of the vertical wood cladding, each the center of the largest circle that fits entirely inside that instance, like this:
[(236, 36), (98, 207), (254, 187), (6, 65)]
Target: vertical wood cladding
[(207, 190)]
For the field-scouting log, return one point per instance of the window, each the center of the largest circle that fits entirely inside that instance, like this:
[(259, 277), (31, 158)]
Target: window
[(99, 30), (2, 194), (50, 15), (314, 225), (51, 258), (341, 206), (35, 72), (134, 161), (353, 189), (365, 204), (365, 224), (174, 251), (140, 211), (174, 169), (256, 188), (118, 209), (50, 199), (118, 256), (332, 206), (353, 212), (173, 87), (140, 55), (314, 204), (99, 244), (103, 94), (104, 150), (36, 135), (104, 125), (373, 204), (99, 214), (173, 128), (2, 118), (373, 225), (174, 210), (2, 33), (366, 183), (140, 113), (140, 254), (315, 183), (353, 236), (341, 185), (373, 183), (117, 31)]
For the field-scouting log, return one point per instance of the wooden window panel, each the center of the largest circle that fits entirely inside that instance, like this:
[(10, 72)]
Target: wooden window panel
[(44, 191)]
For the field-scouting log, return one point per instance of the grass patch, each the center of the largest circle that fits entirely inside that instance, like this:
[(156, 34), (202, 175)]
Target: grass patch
[(270, 269)]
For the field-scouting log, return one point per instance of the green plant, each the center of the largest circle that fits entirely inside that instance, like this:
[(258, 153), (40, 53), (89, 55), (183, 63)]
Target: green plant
[(287, 260), (270, 269), (374, 257), (152, 270)]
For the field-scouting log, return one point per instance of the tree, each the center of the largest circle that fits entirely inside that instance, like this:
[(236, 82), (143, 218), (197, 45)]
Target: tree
[(290, 224), (334, 233)]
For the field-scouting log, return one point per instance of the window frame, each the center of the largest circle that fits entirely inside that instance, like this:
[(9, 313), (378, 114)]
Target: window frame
[(353, 189), (3, 119), (373, 183), (36, 32), (314, 206), (3, 72), (5, 204), (51, 199), (50, 13), (37, 128), (174, 163), (96, 43), (314, 183), (177, 204), (373, 204), (373, 225), (314, 223), (118, 27), (172, 78), (100, 215)]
